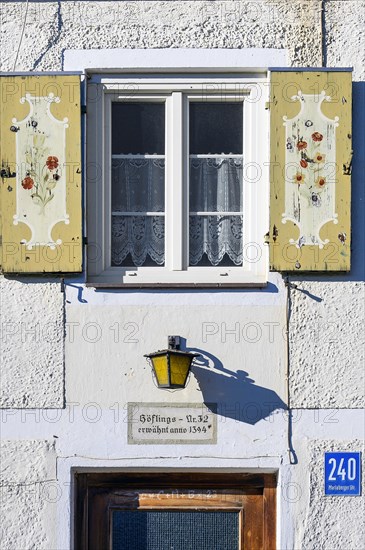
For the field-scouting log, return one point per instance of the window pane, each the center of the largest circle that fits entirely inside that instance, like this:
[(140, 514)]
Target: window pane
[(215, 185), (138, 185), (215, 240), (138, 128), (138, 241), (166, 530), (215, 128)]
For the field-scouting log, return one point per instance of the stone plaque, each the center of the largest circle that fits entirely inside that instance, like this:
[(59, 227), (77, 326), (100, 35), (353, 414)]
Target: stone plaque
[(165, 424)]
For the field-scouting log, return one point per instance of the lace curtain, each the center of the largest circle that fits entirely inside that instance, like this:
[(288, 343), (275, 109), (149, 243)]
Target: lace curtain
[(138, 187), (215, 186)]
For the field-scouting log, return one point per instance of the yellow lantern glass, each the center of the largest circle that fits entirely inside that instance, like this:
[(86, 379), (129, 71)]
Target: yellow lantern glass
[(171, 367)]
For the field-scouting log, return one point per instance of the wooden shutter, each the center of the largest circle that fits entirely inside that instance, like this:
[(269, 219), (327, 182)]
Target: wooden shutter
[(310, 154), (40, 155)]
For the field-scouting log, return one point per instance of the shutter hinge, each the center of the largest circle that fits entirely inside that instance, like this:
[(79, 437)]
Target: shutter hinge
[(7, 173), (83, 109), (275, 234), (84, 240), (267, 105), (347, 167)]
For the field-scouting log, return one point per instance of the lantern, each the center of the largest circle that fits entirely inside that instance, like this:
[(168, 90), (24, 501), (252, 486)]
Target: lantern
[(171, 366)]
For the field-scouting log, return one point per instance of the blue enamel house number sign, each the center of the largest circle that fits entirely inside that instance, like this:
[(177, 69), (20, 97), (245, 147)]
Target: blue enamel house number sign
[(342, 474)]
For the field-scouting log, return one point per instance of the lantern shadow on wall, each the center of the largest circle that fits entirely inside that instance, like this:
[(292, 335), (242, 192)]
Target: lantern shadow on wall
[(236, 394), (232, 394)]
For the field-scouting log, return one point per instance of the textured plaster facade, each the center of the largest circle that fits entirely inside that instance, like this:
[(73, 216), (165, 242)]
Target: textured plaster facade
[(148, 24), (77, 367), (27, 481), (317, 517), (324, 333), (32, 344), (327, 532)]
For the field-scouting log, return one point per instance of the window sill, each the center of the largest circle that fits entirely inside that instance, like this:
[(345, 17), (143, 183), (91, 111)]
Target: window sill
[(138, 286), (204, 277), (192, 277)]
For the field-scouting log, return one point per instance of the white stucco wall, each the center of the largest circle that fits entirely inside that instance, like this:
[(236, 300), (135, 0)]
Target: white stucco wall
[(325, 364), (320, 521), (327, 345), (32, 344), (27, 478), (182, 24), (231, 339), (306, 518)]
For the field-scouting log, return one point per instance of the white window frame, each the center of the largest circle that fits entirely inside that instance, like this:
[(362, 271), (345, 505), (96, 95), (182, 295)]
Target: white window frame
[(178, 90)]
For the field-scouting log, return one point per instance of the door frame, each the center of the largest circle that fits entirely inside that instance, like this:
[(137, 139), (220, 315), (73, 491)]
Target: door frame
[(98, 494)]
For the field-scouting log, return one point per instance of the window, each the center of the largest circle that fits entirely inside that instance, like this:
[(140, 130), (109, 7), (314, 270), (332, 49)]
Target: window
[(177, 180)]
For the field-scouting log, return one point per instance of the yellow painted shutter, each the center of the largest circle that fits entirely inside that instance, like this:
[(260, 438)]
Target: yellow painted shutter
[(310, 182), (40, 155)]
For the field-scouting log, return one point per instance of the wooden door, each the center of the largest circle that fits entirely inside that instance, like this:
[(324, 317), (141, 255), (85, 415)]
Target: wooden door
[(189, 511)]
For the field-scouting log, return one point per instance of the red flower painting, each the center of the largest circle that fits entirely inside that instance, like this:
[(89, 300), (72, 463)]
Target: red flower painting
[(52, 163), (301, 145), (42, 183), (27, 183), (316, 136)]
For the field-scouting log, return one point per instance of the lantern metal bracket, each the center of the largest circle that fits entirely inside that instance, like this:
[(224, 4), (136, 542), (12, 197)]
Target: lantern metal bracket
[(174, 342)]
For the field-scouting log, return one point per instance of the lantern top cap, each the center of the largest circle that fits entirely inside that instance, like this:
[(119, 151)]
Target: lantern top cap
[(171, 352)]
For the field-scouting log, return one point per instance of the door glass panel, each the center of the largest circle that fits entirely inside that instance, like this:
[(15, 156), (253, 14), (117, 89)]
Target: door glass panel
[(175, 530)]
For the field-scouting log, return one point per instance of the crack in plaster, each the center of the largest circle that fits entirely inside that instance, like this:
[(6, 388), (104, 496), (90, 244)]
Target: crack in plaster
[(53, 39)]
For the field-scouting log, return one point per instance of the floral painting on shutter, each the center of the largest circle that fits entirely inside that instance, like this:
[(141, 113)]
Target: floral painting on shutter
[(310, 184), (41, 174)]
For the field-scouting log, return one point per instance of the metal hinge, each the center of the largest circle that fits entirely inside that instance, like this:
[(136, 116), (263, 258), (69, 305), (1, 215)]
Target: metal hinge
[(7, 173), (347, 167)]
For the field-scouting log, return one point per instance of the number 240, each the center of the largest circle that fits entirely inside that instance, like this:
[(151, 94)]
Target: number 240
[(341, 471)]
